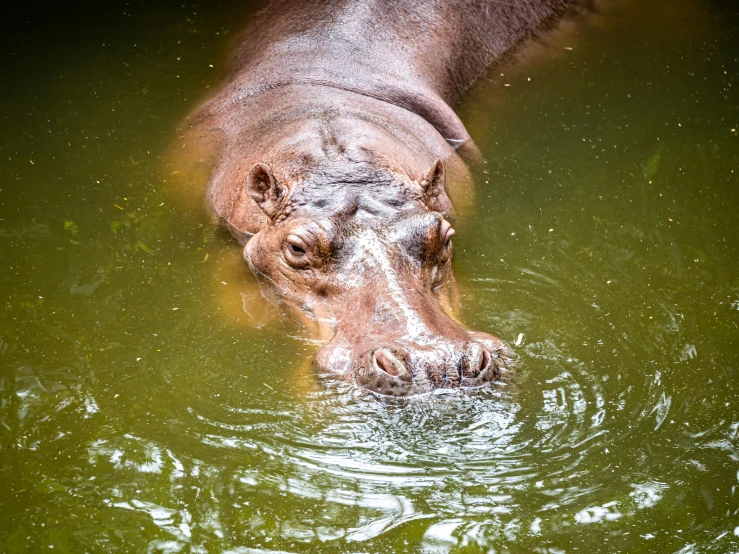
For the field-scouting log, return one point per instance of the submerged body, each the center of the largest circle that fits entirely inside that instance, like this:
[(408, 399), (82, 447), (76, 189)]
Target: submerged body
[(338, 152)]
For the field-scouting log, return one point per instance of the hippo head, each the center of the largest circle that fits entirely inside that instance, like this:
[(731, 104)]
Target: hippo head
[(365, 253)]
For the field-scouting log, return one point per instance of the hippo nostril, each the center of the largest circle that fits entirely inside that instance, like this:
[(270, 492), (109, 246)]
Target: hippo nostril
[(476, 361), (386, 362), (485, 361)]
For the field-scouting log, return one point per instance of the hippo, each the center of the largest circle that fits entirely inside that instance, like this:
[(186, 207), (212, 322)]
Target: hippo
[(338, 157)]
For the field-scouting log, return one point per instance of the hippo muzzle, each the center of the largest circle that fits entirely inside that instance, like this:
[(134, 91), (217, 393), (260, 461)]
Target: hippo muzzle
[(391, 371), (402, 368)]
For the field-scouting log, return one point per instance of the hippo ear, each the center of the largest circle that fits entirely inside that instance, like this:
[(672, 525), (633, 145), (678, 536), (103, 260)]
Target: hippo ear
[(264, 189), (432, 185), (432, 182)]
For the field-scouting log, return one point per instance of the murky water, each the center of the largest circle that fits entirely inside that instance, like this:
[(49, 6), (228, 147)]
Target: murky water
[(140, 411)]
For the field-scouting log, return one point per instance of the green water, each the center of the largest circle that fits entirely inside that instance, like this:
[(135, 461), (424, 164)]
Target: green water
[(138, 413)]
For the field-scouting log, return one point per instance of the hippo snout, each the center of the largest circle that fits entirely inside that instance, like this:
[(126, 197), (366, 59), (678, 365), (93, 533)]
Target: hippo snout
[(404, 370)]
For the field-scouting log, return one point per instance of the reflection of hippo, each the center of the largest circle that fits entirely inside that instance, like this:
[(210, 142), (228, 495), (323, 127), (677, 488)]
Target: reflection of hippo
[(335, 143)]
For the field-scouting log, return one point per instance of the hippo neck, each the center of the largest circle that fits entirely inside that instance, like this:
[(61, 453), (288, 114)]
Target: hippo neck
[(417, 100)]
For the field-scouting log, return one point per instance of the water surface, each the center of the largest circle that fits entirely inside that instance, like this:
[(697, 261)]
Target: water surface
[(142, 410)]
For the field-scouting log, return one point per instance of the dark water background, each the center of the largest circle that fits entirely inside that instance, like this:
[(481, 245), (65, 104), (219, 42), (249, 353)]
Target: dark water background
[(138, 413)]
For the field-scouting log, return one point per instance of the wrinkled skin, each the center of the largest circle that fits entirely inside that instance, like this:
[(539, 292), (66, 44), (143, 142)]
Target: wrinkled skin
[(337, 156), (375, 273)]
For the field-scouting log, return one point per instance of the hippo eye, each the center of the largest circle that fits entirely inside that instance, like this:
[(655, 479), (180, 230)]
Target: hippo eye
[(297, 249), (447, 244), (296, 245), (448, 237), (295, 252)]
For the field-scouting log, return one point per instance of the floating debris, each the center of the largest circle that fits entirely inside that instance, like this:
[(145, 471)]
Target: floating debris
[(145, 248)]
